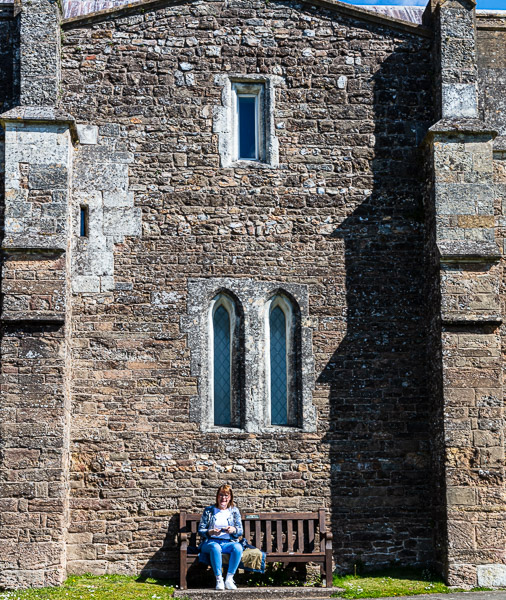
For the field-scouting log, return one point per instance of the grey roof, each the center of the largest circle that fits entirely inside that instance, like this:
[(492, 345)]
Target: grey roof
[(411, 14), (77, 8)]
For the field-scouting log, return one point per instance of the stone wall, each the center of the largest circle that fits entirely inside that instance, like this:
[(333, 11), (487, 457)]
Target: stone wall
[(466, 209), (491, 41), (35, 399), (341, 215)]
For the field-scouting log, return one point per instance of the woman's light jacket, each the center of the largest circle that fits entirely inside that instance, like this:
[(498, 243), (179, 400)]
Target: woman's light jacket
[(208, 519)]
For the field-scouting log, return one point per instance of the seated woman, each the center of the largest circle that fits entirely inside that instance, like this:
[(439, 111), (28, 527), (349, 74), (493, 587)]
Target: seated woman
[(221, 527)]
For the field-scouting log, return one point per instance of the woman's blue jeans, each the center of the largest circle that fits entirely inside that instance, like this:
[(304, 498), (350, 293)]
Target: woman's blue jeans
[(215, 548)]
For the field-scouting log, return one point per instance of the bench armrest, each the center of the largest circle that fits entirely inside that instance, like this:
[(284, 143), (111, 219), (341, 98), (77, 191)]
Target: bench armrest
[(327, 536), (183, 540)]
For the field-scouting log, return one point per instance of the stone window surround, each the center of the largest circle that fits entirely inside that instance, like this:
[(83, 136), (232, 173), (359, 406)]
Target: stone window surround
[(253, 300), (225, 120)]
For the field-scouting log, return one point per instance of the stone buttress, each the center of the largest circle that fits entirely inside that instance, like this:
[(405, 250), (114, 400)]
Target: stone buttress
[(34, 406), (471, 446)]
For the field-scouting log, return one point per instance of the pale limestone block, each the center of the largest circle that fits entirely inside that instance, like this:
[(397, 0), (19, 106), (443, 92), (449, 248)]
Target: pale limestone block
[(492, 457), (83, 283), (79, 538), (461, 535), (491, 575), (118, 199), (106, 283), (87, 134), (461, 496), (483, 439), (459, 100), (81, 552), (94, 567)]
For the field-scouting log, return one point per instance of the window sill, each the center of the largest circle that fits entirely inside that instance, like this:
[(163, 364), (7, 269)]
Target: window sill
[(222, 429), (267, 430), (251, 164)]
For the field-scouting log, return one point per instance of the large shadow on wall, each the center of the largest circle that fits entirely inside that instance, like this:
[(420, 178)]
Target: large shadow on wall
[(379, 434)]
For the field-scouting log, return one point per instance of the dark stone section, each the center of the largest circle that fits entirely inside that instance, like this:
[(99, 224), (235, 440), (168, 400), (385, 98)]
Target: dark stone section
[(8, 41)]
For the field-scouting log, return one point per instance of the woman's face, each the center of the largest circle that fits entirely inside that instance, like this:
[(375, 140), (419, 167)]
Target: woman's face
[(223, 500)]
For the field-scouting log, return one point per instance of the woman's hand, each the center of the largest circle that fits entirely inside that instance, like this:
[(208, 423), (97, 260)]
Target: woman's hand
[(231, 529), (213, 532)]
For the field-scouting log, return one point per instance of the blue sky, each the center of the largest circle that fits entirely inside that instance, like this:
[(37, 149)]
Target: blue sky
[(490, 4)]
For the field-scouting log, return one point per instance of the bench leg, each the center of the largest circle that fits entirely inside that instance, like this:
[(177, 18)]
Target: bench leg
[(328, 569), (183, 567)]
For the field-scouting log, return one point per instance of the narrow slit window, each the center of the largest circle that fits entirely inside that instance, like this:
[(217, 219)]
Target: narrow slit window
[(83, 221), (222, 380), (278, 367), (247, 110)]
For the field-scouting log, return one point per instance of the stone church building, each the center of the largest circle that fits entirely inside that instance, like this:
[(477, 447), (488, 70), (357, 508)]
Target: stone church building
[(257, 242)]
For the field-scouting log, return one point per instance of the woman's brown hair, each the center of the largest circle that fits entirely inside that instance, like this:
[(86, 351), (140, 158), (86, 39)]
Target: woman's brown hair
[(227, 489)]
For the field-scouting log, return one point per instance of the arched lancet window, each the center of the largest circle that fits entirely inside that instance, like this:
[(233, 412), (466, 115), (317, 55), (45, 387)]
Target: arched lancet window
[(281, 364), (224, 361)]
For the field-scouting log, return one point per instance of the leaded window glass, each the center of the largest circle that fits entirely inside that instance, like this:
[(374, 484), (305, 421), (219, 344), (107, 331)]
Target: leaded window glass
[(222, 363), (278, 367)]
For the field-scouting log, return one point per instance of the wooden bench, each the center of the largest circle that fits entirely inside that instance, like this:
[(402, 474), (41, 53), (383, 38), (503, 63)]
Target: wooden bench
[(284, 537)]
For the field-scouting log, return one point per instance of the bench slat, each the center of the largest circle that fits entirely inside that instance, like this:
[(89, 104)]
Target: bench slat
[(310, 536), (258, 535), (274, 516), (300, 535), (321, 523), (268, 536), (289, 535), (288, 558), (279, 536)]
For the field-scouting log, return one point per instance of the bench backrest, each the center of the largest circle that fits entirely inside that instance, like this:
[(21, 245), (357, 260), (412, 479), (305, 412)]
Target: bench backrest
[(279, 532)]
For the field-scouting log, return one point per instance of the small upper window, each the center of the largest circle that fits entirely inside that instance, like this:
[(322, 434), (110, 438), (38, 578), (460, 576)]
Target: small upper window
[(249, 122), (245, 121)]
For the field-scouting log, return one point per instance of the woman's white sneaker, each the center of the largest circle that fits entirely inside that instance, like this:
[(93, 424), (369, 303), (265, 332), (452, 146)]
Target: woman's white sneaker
[(229, 583), (220, 585)]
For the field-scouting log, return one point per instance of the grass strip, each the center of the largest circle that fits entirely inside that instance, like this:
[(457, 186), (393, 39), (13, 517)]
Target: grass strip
[(390, 582), (103, 587)]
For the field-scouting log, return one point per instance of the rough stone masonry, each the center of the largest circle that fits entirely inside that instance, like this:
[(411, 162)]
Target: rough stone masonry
[(375, 213)]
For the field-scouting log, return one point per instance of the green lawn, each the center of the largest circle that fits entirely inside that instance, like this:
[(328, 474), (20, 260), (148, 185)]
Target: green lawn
[(105, 587), (392, 582)]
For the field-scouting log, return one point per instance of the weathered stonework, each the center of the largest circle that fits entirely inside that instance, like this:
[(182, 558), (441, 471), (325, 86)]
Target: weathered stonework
[(100, 184), (339, 205), (390, 251), (38, 53), (465, 204)]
